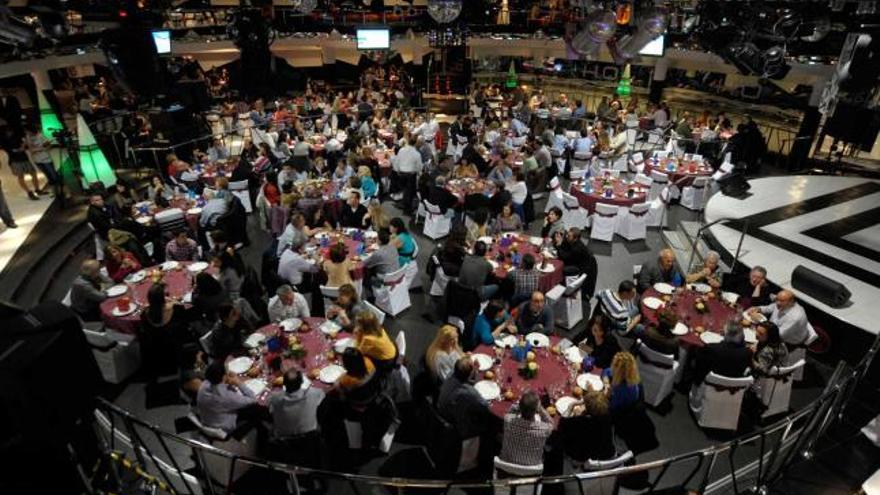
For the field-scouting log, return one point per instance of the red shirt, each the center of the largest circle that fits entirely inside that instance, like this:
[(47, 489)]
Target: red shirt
[(273, 196)]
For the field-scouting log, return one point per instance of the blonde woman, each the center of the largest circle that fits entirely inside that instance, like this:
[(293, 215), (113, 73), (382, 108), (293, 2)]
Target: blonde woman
[(376, 218), (622, 382), (443, 352), (373, 341), (368, 185)]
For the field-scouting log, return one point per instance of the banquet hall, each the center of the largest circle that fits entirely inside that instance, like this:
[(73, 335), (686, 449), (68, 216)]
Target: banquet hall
[(482, 246)]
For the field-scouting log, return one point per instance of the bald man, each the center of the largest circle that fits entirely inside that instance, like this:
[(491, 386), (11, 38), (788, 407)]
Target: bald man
[(535, 315), (663, 270), (789, 316), (87, 291)]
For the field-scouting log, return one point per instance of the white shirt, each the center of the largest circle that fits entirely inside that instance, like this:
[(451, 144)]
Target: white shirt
[(408, 160), (792, 322), (292, 265), (301, 149), (218, 405), (518, 192), (278, 311), (429, 130)]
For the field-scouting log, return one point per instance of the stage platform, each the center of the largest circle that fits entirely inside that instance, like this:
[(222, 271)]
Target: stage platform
[(25, 211), (828, 224)]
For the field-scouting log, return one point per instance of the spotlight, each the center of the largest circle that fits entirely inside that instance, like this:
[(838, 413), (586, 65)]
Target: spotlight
[(775, 66), (598, 28), (652, 25)]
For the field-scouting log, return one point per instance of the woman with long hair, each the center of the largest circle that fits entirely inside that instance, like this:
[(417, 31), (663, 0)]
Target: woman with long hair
[(376, 217), (338, 267), (443, 352), (373, 341), (119, 262), (599, 343), (230, 268), (402, 240), (163, 331), (208, 295), (771, 351), (622, 382)]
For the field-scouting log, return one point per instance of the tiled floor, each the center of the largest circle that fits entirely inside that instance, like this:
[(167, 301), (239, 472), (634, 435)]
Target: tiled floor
[(25, 211)]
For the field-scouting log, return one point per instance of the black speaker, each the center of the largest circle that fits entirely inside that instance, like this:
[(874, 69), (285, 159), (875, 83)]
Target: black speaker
[(819, 287)]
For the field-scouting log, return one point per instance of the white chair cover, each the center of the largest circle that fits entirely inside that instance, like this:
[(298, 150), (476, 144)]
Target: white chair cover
[(660, 180), (118, 354), (567, 303), (717, 402), (632, 223), (606, 485), (644, 181), (438, 285), (693, 197), (775, 389), (578, 174), (658, 373), (413, 280), (555, 198), (657, 211), (330, 295), (437, 224), (514, 470), (240, 190), (393, 296), (573, 214), (604, 222), (380, 315)]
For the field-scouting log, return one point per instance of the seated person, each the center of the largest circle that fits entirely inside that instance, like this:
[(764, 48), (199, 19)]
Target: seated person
[(373, 341), (623, 386), (753, 290), (476, 272), (527, 426), (535, 315), (465, 170), (663, 270), (440, 197), (287, 304), (588, 432), (789, 316), (576, 258), (461, 404), (552, 223), (620, 308), (770, 352), (444, 351), (507, 221), (525, 279), (346, 308), (709, 274), (352, 215), (730, 358), (120, 263), (599, 343), (221, 397), (338, 267), (87, 292), (489, 324), (359, 370), (384, 259), (660, 337), (294, 410), (227, 335), (181, 248)]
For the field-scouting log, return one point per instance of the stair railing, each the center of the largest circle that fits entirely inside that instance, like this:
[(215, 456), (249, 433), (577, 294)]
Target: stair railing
[(696, 240)]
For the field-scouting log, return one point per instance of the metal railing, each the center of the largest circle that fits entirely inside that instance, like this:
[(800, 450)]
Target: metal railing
[(743, 465)]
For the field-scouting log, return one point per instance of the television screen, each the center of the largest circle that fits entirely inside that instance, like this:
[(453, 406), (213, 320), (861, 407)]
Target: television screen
[(162, 40), (655, 48), (373, 39)]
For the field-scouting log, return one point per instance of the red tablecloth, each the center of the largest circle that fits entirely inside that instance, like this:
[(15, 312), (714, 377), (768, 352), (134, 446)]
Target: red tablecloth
[(620, 198), (352, 246), (556, 376), (681, 174), (177, 283), (523, 247), (719, 313)]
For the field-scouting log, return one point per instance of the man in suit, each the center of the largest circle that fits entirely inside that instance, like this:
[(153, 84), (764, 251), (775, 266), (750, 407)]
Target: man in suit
[(663, 270), (729, 358)]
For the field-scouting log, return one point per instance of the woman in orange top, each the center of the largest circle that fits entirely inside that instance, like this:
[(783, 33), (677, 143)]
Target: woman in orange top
[(358, 370), (373, 341)]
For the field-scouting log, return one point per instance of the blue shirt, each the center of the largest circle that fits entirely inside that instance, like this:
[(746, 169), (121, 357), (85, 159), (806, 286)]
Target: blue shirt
[(623, 396), (368, 186), (407, 249), (583, 144), (482, 332)]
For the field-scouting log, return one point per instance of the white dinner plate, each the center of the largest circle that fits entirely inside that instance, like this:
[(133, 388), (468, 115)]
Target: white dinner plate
[(701, 288), (730, 297), (563, 405), (342, 344), (144, 220), (484, 361), (188, 298), (750, 336), (546, 269), (590, 381), (506, 341), (256, 385), (538, 339), (290, 324), (652, 303), (574, 355), (239, 365), (331, 373), (494, 264), (136, 277), (116, 290), (680, 329), (194, 211), (329, 327), (536, 241), (488, 390), (756, 318), (664, 288), (486, 240), (131, 309), (197, 266), (170, 265), (711, 337), (254, 340)]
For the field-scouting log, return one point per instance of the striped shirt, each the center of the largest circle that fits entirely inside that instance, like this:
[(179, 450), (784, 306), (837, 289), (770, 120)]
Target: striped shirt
[(617, 310), (523, 440)]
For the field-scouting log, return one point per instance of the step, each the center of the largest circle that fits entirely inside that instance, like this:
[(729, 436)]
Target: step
[(33, 290)]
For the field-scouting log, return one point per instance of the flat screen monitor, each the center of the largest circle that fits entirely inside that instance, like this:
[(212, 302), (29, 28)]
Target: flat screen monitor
[(373, 39), (162, 40), (655, 48)]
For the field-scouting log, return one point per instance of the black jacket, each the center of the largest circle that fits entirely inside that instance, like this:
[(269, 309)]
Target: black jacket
[(103, 219), (725, 358)]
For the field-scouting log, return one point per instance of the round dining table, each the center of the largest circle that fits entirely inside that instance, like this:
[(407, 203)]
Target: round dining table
[(178, 279), (500, 253), (683, 303), (556, 376), (477, 185), (681, 172), (144, 212), (608, 190), (358, 243)]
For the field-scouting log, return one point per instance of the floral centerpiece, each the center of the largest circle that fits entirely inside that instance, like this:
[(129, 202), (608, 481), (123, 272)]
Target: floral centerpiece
[(156, 276), (529, 370), (295, 349), (700, 305), (667, 317)]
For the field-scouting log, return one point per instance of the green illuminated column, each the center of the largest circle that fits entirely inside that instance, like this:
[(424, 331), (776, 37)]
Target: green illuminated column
[(623, 87), (511, 77), (92, 162)]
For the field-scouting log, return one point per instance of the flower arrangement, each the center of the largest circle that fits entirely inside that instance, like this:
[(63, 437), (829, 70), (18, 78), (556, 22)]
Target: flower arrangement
[(701, 306), (529, 370), (156, 276), (667, 317), (295, 349)]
